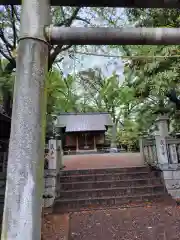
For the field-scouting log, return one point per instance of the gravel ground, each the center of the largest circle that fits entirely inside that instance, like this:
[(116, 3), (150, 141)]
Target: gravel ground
[(151, 222), (55, 227), (160, 222)]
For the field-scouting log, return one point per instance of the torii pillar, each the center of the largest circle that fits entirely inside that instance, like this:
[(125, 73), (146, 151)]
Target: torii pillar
[(24, 185)]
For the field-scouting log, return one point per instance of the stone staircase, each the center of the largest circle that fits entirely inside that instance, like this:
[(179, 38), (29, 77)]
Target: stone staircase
[(98, 188)]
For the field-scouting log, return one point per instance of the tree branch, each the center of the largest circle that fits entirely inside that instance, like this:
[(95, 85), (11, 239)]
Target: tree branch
[(16, 13), (66, 48), (68, 22), (8, 45), (4, 54), (62, 12), (60, 48), (82, 19), (12, 19)]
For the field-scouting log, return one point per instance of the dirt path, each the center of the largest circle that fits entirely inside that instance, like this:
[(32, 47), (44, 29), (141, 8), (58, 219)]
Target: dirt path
[(157, 222), (152, 223), (55, 227)]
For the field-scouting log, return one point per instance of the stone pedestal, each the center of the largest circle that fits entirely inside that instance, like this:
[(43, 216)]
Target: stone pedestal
[(172, 182), (50, 177)]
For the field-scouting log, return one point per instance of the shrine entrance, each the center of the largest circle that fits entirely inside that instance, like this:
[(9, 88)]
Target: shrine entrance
[(86, 141), (23, 199)]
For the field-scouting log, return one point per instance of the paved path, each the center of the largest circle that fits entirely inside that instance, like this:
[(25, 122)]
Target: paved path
[(102, 160)]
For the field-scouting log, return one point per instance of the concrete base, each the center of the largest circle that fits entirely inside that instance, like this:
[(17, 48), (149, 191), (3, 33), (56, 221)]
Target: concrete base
[(84, 151), (50, 181), (172, 182), (169, 167)]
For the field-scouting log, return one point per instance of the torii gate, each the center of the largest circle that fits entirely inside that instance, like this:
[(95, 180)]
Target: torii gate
[(22, 210)]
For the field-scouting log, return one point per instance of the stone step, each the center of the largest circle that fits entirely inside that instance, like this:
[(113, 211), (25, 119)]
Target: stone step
[(2, 184), (104, 171), (108, 184), (3, 176), (108, 192), (68, 205), (2, 192), (2, 199), (107, 177)]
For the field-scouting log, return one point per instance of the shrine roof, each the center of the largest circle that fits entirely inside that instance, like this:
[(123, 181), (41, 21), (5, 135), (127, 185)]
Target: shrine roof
[(80, 122)]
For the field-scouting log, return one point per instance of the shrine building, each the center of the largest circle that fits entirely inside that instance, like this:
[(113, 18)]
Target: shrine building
[(83, 132)]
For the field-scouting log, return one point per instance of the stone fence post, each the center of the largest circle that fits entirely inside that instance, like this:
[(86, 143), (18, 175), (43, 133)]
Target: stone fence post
[(55, 156), (141, 147), (51, 173), (168, 153), (141, 144), (160, 137), (166, 156)]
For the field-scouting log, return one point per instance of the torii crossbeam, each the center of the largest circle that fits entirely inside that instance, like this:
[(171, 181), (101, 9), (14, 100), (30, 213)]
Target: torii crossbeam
[(107, 3), (23, 198), (112, 36)]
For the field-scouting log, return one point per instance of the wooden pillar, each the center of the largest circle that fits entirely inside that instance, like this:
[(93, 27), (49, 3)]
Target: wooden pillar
[(95, 143), (77, 144)]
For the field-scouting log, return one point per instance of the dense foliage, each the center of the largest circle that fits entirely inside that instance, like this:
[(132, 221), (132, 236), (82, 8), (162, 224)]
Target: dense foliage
[(133, 100), (156, 68)]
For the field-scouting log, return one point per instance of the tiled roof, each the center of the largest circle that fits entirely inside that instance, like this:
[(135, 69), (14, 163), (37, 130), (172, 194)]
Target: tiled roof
[(79, 122)]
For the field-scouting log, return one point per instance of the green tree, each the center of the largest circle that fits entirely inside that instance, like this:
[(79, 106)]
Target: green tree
[(61, 16), (61, 96), (6, 88), (109, 94), (153, 76), (9, 32)]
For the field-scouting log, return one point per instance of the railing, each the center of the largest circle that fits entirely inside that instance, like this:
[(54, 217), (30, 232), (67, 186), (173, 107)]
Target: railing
[(149, 151), (168, 149), (173, 150)]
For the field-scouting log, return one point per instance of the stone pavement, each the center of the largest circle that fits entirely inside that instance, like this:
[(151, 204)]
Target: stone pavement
[(106, 160)]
